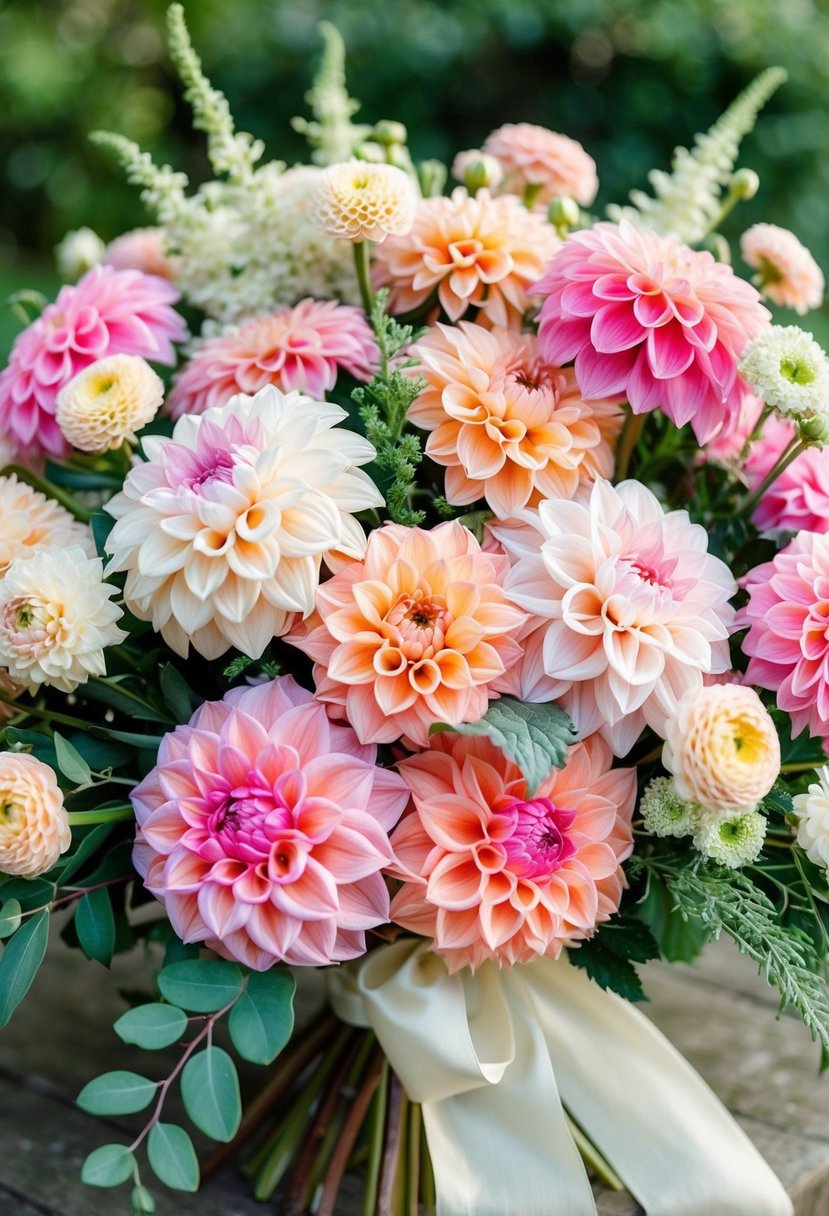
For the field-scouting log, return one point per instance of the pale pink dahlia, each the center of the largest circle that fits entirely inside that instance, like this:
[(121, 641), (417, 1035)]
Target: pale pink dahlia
[(554, 164), (141, 249), (300, 348), (645, 316), (492, 873), (787, 615), (786, 271), (263, 829), (798, 499), (109, 312), (480, 252), (632, 610), (507, 426), (417, 632)]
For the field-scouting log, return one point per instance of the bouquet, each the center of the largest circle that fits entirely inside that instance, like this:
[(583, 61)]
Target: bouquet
[(417, 603)]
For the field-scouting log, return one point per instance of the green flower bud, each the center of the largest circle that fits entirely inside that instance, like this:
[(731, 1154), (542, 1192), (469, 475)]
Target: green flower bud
[(432, 175), (388, 132), (815, 429), (563, 212), (745, 183)]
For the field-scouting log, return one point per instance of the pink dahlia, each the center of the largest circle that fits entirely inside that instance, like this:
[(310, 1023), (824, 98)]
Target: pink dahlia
[(798, 499), (787, 615), (263, 829), (417, 632), (299, 348), (643, 315), (492, 873), (141, 249), (549, 164), (631, 609), (786, 271), (108, 312)]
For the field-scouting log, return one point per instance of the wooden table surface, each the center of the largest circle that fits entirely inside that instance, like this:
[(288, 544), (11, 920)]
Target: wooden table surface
[(718, 1013)]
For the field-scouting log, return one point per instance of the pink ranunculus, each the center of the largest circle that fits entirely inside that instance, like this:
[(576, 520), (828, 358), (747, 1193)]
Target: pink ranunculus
[(108, 312), (263, 829), (491, 872), (646, 316), (798, 499), (301, 348), (787, 615)]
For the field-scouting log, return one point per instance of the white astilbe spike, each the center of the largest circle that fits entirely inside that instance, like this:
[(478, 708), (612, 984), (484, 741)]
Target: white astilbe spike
[(333, 135), (162, 188)]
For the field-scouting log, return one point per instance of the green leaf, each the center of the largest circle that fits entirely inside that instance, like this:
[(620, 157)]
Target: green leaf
[(172, 1157), (679, 935), (115, 692), (152, 1026), (101, 525), (141, 1202), (535, 737), (179, 696), (95, 925), (70, 762), (32, 892), (262, 1020), (20, 962), (109, 1165), (87, 848), (10, 914), (200, 985), (210, 1089), (117, 1093), (609, 955)]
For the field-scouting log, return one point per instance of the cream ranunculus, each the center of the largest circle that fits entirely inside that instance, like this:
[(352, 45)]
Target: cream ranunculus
[(34, 826), (108, 402), (722, 748), (364, 202)]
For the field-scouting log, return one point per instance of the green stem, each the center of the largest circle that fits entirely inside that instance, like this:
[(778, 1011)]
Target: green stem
[(593, 1158), (362, 261), (51, 491), (531, 193), (376, 1122), (45, 715), (410, 1207), (82, 819), (795, 448), (628, 439), (801, 766), (428, 1190)]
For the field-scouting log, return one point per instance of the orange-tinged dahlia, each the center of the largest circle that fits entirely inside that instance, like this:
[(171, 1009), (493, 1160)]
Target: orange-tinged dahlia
[(29, 520), (549, 164), (34, 826), (477, 252), (417, 632), (507, 425), (787, 274)]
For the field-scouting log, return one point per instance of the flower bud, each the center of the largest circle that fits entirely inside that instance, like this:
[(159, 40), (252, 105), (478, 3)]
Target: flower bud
[(387, 132), (745, 183), (815, 429), (563, 212), (432, 175), (477, 170)]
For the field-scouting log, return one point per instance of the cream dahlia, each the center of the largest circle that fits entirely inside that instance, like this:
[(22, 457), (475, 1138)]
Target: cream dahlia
[(507, 426), (56, 618), (263, 829), (29, 520), (482, 252), (492, 873), (631, 609), (812, 810), (223, 531), (105, 404), (548, 164), (786, 272), (415, 633), (363, 202), (34, 826)]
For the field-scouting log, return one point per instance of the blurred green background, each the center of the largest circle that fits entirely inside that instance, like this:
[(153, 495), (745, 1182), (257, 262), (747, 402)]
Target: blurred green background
[(629, 78)]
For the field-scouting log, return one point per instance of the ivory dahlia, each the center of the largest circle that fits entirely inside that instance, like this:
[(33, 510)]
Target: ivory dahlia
[(105, 404), (34, 826), (362, 201), (29, 521)]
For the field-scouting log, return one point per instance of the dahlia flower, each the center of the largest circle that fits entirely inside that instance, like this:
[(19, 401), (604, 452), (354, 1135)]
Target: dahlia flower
[(263, 829), (108, 312), (78, 252), (507, 426), (798, 498), (727, 446), (789, 370), (34, 826), (733, 841), (548, 164), (787, 615), (786, 272), (480, 252), (300, 348), (363, 202), (141, 249), (645, 316), (632, 610), (812, 810), (491, 873), (415, 633), (107, 402), (223, 531), (29, 520), (477, 170), (722, 748), (56, 618)]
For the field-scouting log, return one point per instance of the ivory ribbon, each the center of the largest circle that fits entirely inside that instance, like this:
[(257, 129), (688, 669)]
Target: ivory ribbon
[(495, 1057)]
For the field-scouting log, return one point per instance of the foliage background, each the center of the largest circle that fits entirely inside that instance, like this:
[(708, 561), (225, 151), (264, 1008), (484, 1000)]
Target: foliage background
[(629, 78)]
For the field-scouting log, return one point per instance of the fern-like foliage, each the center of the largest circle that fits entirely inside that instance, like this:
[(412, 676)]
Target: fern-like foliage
[(688, 200), (331, 133)]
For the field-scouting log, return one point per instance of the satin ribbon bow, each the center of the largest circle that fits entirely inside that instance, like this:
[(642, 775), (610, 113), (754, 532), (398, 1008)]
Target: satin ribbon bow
[(495, 1057)]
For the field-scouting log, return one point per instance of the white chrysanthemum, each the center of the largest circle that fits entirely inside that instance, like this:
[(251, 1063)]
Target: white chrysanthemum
[(364, 202), (29, 520), (664, 812), (34, 826), (223, 531), (78, 252), (108, 402), (732, 841), (56, 618), (789, 370), (786, 271), (812, 810)]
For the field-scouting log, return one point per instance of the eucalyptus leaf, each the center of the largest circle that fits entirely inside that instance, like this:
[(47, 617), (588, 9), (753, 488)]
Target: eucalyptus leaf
[(179, 696), (109, 1165), (117, 1093), (152, 1026), (10, 915), (262, 1020), (70, 762), (20, 961), (172, 1157), (87, 848), (200, 985), (210, 1089), (95, 925)]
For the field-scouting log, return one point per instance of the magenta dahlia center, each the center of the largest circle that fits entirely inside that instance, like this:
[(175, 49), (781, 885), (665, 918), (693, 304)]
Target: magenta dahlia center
[(539, 843), (254, 822)]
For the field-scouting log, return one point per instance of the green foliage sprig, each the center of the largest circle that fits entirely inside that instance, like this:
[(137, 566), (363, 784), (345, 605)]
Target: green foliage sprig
[(331, 134)]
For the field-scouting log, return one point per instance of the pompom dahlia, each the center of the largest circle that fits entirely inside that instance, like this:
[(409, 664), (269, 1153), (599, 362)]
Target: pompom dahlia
[(105, 404), (223, 531), (300, 348), (479, 252), (29, 520), (491, 873), (415, 633), (263, 829), (786, 272), (508, 426), (361, 201), (108, 312), (647, 317), (34, 826), (550, 164), (632, 610), (787, 615)]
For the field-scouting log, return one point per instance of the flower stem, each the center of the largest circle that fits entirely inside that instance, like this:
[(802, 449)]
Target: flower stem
[(801, 766), (428, 1191), (795, 448), (376, 1121), (593, 1158), (628, 439), (51, 491), (413, 1160), (82, 819), (392, 1143), (351, 1128), (362, 255)]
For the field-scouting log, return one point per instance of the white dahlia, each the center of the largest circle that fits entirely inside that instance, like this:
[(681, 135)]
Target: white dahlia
[(29, 520)]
